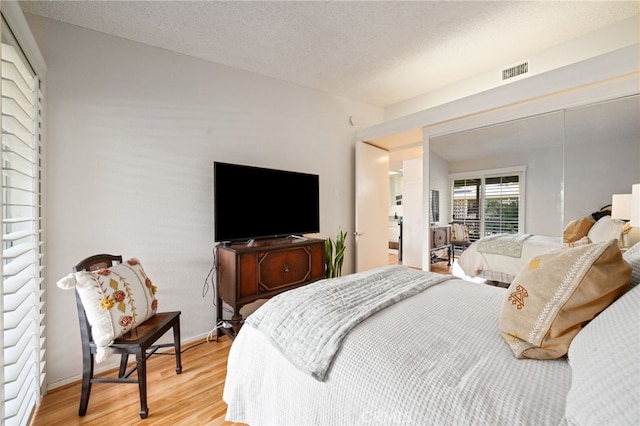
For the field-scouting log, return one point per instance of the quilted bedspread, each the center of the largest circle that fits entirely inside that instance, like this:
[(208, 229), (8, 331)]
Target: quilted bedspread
[(498, 267), (435, 358), (308, 324), (504, 244)]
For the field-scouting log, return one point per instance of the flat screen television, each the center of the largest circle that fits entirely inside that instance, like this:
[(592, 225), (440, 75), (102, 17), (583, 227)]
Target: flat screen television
[(255, 202)]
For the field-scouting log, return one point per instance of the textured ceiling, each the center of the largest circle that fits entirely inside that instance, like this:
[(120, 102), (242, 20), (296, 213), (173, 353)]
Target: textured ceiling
[(380, 52)]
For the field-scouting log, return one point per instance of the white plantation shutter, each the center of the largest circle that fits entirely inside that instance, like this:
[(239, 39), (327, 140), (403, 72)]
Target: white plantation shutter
[(489, 202), (23, 287), (466, 204), (502, 205)]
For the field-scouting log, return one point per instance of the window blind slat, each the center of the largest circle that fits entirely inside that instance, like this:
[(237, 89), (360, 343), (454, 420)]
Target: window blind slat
[(12, 143), (11, 90), (16, 251), (14, 375), (13, 339), (12, 108), (17, 307), (17, 408), (13, 284), (24, 78), (13, 127)]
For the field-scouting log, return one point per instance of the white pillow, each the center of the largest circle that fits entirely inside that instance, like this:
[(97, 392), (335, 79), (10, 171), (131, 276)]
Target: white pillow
[(632, 256), (115, 299), (606, 229), (605, 385)]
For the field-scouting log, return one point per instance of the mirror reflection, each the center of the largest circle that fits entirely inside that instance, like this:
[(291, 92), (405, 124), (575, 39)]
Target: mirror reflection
[(536, 174)]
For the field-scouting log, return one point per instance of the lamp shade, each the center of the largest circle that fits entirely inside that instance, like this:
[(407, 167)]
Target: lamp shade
[(635, 206), (621, 206)]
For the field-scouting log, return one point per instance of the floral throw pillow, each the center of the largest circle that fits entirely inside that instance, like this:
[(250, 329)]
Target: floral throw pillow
[(115, 299)]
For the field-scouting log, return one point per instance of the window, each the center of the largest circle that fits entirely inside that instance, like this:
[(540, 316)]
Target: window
[(466, 198), (501, 205), (22, 272), (489, 202)]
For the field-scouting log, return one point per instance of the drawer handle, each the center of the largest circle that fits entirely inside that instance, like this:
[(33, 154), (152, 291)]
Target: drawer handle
[(286, 268)]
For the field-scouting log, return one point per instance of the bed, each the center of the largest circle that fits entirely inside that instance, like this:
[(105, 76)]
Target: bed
[(438, 355), (494, 265), (500, 257)]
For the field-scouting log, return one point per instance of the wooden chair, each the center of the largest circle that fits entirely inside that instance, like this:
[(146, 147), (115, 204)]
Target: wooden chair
[(459, 237), (139, 342)]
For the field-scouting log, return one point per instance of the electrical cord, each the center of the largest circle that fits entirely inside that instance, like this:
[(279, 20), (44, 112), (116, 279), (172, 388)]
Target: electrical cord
[(207, 339), (184, 350), (211, 277), (209, 281)]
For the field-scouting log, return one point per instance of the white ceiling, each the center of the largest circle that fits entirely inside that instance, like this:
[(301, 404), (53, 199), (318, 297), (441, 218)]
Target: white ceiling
[(379, 52)]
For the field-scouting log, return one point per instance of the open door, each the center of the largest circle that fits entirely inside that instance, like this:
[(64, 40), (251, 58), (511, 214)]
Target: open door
[(372, 207)]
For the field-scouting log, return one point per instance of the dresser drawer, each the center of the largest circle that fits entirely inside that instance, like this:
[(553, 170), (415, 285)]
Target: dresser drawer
[(283, 268)]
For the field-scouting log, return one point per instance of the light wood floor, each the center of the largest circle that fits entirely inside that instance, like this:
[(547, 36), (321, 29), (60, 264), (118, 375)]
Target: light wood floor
[(192, 398), (439, 267)]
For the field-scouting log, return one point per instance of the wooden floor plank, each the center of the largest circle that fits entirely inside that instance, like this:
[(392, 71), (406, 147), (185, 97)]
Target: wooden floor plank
[(191, 398)]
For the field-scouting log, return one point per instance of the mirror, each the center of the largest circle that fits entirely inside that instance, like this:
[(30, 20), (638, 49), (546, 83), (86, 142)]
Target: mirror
[(602, 154), (395, 196), (434, 203), (531, 147), (573, 160)]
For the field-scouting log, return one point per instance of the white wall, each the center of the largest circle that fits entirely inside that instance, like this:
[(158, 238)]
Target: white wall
[(602, 152), (439, 177), (132, 133), (412, 213), (612, 37)]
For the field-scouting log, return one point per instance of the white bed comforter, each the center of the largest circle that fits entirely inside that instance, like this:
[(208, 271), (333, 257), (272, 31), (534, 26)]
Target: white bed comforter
[(503, 268), (308, 324), (434, 358)]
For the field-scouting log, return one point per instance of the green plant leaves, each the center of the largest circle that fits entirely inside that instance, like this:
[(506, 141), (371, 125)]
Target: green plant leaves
[(333, 262)]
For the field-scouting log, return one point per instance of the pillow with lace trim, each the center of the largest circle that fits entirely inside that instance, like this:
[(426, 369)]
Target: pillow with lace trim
[(115, 299)]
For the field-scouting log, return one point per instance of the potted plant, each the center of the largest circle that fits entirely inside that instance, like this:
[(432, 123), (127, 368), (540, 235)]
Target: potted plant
[(334, 255)]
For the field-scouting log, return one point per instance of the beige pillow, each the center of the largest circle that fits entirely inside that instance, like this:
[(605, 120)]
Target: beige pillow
[(115, 299), (581, 242), (459, 232), (557, 294), (605, 229), (577, 229)]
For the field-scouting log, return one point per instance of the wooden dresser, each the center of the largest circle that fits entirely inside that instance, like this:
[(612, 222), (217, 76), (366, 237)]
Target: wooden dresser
[(247, 273)]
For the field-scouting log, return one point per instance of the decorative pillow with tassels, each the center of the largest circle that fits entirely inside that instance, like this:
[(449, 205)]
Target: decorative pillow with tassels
[(115, 299), (557, 294), (459, 233)]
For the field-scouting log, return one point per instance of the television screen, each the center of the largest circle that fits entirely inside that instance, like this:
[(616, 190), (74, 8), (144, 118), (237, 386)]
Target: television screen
[(255, 202)]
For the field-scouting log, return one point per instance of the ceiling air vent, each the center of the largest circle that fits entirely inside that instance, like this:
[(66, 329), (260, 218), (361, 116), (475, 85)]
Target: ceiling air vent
[(515, 70)]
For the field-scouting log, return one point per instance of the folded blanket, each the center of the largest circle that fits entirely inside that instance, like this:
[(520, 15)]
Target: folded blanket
[(504, 244), (308, 324)]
